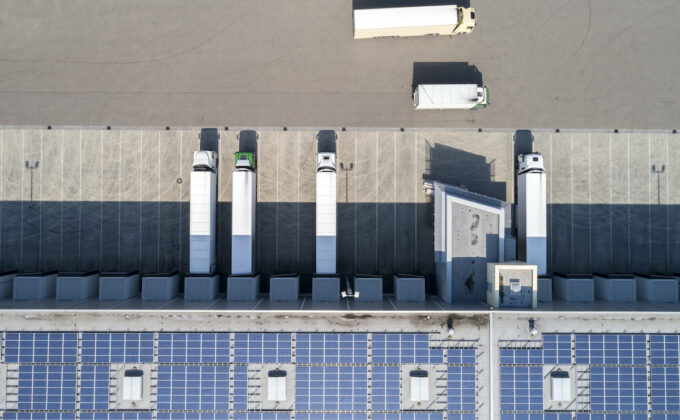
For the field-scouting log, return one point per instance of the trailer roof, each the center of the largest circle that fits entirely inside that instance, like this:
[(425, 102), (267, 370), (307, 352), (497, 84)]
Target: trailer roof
[(446, 94), (395, 17)]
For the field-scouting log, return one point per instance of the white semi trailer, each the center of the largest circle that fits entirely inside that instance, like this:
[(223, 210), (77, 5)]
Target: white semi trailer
[(413, 21), (326, 214), (202, 208), (531, 211), (468, 96), (243, 205)]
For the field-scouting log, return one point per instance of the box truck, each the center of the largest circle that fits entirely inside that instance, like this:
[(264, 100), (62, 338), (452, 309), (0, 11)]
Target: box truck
[(468, 96), (202, 208), (325, 214), (243, 205), (531, 211), (413, 21)]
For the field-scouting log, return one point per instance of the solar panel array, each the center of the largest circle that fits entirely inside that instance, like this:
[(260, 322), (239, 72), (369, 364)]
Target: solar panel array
[(213, 375), (47, 387), (94, 387), (193, 388), (619, 376), (117, 348)]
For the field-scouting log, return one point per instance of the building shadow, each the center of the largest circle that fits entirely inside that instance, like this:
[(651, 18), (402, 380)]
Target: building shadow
[(464, 169), (152, 237), (444, 73)]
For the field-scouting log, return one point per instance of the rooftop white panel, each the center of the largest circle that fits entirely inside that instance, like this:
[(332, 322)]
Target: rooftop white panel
[(560, 388), (276, 388), (446, 96), (132, 388), (419, 391)]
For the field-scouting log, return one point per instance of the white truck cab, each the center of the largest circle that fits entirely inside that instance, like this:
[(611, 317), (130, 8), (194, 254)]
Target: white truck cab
[(205, 160), (325, 162), (531, 162)]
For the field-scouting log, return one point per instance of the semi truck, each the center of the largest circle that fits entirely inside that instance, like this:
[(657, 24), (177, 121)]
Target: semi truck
[(202, 207), (325, 214), (243, 206), (413, 21), (460, 96), (531, 211)]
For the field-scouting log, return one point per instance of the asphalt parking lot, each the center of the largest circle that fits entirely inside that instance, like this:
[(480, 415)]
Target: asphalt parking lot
[(579, 64), (78, 200)]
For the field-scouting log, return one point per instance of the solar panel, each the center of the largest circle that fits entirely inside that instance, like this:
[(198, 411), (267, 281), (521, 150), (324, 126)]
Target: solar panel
[(461, 356), (262, 416), (117, 348), (545, 416), (41, 347), (331, 388), (193, 416), (616, 389), (556, 349), (193, 388), (618, 386), (47, 387), (331, 348), (240, 398), (524, 356), (331, 380), (461, 388), (330, 416), (610, 416), (521, 388), (193, 348), (665, 389), (121, 415), (404, 349), (664, 349), (262, 348), (38, 416), (659, 416), (461, 416), (94, 387), (596, 349), (413, 416), (385, 385)]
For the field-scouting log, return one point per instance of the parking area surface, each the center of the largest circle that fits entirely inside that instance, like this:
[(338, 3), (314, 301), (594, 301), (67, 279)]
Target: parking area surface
[(110, 200), (119, 200), (614, 202), (269, 63)]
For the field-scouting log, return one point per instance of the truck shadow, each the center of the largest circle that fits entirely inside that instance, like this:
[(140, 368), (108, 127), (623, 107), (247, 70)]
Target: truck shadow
[(326, 141), (247, 141), (445, 73), (210, 139)]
